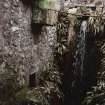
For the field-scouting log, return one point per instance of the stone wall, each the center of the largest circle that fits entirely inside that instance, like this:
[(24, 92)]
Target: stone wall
[(21, 51)]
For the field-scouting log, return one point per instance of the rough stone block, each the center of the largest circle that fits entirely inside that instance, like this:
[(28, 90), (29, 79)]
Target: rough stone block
[(44, 16)]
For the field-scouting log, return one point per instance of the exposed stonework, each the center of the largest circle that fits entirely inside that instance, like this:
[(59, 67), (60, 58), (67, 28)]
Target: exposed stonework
[(21, 51), (16, 40)]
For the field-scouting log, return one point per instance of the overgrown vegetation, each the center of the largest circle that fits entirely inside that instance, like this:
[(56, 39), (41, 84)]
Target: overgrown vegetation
[(8, 89), (47, 92), (96, 29), (62, 32), (96, 95)]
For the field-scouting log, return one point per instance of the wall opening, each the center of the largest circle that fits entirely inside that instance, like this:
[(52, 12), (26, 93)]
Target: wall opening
[(32, 80)]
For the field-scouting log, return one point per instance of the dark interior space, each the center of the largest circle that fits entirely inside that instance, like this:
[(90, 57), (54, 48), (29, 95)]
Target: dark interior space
[(32, 80), (75, 95)]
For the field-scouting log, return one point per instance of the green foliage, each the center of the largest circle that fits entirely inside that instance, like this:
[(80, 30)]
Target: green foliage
[(8, 88), (46, 91), (96, 29), (62, 32), (96, 96), (47, 3), (34, 95), (96, 25)]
